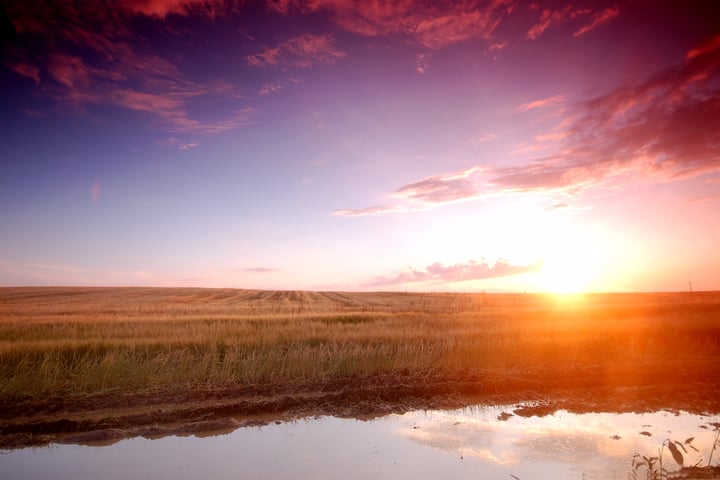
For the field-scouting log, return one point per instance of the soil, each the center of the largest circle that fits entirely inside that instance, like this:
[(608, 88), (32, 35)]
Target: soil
[(105, 418)]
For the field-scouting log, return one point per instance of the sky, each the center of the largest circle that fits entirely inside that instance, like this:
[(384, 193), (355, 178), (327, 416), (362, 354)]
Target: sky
[(494, 145)]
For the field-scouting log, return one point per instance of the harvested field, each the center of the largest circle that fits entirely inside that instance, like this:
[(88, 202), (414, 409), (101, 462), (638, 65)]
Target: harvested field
[(100, 363)]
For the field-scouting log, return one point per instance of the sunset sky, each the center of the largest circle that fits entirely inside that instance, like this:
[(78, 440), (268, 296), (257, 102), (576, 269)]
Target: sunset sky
[(494, 145)]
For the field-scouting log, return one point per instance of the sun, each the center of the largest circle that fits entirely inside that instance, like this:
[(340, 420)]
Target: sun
[(571, 266), (566, 274)]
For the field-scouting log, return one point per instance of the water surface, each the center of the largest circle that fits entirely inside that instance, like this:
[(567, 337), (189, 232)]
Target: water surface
[(470, 443)]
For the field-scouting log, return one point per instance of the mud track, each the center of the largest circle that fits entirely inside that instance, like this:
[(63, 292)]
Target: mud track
[(107, 418)]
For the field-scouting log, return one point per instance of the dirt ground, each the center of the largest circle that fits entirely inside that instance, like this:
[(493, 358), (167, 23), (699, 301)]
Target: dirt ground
[(107, 418)]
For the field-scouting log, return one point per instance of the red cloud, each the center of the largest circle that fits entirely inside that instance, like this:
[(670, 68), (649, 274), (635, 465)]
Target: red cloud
[(550, 18), (434, 24), (708, 47), (598, 19), (301, 51), (163, 8)]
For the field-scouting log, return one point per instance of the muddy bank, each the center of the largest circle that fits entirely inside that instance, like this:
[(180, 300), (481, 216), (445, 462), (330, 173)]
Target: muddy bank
[(107, 418)]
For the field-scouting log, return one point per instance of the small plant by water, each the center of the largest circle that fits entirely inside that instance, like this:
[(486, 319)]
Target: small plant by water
[(644, 467)]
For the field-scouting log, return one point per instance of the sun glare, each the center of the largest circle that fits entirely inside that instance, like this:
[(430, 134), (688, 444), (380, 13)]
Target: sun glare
[(572, 266), (567, 274)]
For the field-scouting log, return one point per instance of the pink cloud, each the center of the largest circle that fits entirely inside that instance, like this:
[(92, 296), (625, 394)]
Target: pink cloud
[(430, 192), (542, 103), (662, 128), (302, 51), (598, 19), (442, 30), (269, 88), (95, 191), (188, 146), (547, 18), (423, 63), (441, 188), (484, 138), (460, 272)]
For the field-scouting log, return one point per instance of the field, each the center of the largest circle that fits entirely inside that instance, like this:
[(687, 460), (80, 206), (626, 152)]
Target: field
[(82, 364)]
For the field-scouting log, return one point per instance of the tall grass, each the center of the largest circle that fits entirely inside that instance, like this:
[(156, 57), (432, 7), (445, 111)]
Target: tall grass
[(79, 341)]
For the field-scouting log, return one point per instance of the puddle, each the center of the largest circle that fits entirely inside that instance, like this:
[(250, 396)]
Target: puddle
[(479, 442)]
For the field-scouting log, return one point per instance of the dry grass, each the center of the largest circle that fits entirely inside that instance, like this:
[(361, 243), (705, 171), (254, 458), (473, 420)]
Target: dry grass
[(59, 342)]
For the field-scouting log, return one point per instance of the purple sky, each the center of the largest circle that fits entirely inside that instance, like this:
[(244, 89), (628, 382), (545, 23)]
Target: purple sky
[(361, 145)]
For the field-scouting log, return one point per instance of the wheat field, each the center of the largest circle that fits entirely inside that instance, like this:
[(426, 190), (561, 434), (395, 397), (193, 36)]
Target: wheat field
[(75, 342)]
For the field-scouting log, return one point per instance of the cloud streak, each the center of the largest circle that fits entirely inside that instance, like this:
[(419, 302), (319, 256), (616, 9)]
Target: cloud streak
[(460, 272), (433, 25), (302, 51), (427, 193), (598, 19), (550, 18), (542, 103)]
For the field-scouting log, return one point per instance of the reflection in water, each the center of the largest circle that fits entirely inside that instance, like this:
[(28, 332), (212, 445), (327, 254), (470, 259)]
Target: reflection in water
[(470, 443)]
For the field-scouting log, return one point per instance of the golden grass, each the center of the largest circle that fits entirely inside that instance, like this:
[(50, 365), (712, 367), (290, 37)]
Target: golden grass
[(81, 341)]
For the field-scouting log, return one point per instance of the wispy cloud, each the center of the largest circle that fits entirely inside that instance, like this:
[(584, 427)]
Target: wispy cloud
[(91, 56), (259, 270), (549, 18), (460, 272), (367, 211), (188, 146), (273, 87), (269, 88), (301, 52), (440, 30), (163, 8), (433, 25), (484, 138), (542, 103), (709, 46), (441, 188), (430, 192), (598, 19), (423, 63)]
